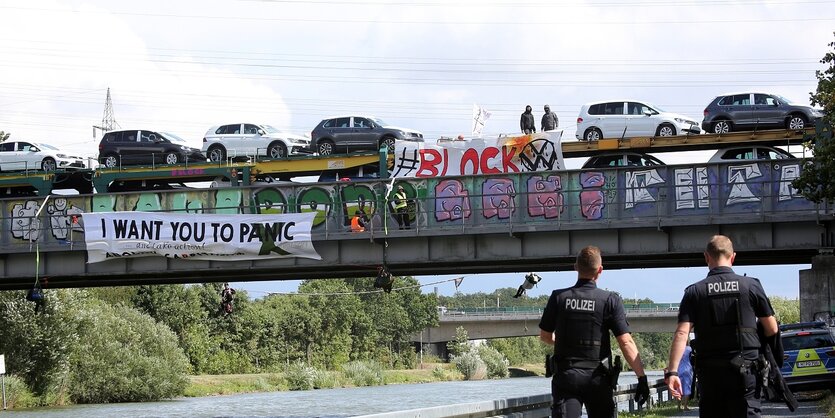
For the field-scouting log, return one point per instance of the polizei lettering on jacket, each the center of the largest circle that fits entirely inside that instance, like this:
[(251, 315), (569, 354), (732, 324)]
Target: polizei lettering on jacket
[(576, 304), (721, 288)]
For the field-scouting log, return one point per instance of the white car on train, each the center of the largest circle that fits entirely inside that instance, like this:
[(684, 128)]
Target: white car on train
[(628, 119), (25, 155), (246, 140)]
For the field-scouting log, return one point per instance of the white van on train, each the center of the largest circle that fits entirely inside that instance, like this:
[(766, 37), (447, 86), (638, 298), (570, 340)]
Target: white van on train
[(630, 118)]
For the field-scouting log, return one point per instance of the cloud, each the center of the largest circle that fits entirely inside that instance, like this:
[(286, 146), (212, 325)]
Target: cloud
[(54, 91)]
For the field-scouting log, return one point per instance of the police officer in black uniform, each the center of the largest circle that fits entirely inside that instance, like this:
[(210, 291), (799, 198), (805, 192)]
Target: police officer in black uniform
[(722, 310), (577, 321)]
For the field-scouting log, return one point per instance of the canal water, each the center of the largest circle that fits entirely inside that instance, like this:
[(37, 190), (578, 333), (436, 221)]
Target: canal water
[(344, 402)]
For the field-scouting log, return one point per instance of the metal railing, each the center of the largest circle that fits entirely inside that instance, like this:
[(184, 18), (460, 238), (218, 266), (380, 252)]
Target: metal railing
[(534, 310), (434, 210)]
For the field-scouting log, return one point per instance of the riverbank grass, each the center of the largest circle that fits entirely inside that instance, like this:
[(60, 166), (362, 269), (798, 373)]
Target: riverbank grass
[(228, 384), (664, 409)]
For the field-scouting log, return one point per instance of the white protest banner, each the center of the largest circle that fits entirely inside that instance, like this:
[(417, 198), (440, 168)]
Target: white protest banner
[(503, 154), (198, 236)]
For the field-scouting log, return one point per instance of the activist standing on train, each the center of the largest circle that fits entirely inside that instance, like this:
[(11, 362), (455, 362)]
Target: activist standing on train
[(722, 310), (527, 122), (577, 321), (550, 121)]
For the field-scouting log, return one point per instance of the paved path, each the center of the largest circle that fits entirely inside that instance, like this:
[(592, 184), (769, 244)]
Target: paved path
[(807, 409)]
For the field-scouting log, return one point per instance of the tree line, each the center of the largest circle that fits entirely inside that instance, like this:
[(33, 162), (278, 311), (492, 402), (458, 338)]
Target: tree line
[(140, 343)]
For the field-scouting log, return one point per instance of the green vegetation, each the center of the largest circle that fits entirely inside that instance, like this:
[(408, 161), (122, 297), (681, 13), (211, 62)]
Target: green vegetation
[(827, 404), (664, 409), (817, 181), (141, 343)]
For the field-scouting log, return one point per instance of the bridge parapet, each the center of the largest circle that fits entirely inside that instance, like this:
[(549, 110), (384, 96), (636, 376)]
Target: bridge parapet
[(631, 197), (639, 216)]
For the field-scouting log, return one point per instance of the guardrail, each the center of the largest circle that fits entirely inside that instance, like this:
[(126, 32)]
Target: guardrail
[(532, 310), (528, 407)]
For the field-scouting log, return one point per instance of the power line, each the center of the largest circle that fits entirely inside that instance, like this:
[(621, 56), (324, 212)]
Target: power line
[(305, 21), (360, 292), (548, 4)]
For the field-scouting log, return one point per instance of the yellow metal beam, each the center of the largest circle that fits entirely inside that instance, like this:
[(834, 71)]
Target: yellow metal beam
[(684, 142), (307, 165)]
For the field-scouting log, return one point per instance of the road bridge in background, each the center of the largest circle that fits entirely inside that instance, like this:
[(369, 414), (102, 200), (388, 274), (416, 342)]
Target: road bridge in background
[(489, 323)]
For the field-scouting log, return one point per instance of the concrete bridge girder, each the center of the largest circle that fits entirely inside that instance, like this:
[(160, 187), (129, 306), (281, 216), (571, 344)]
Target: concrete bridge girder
[(523, 325), (476, 250)]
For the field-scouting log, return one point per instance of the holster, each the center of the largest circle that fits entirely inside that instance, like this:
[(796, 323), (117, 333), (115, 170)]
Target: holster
[(549, 365), (614, 372), (741, 365)]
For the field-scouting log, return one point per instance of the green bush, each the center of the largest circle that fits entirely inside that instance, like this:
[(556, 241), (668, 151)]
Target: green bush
[(364, 373), (442, 373), (18, 394), (495, 362), (471, 366), (300, 376), (124, 356), (325, 380)]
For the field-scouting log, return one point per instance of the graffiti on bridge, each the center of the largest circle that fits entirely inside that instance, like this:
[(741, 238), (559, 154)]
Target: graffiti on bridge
[(567, 196)]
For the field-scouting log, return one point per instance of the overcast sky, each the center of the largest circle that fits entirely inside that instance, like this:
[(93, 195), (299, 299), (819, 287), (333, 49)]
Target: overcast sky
[(182, 66)]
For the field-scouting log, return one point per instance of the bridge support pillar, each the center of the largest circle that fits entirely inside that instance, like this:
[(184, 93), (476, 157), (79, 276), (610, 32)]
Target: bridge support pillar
[(817, 288)]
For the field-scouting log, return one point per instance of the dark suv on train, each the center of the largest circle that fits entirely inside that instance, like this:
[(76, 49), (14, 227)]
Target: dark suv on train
[(753, 110), (141, 147), (350, 133)]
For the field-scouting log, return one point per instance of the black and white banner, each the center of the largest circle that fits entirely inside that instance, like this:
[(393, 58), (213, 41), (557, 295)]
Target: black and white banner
[(198, 236)]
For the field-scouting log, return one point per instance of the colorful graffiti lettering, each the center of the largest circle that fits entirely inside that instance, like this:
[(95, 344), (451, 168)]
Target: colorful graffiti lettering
[(357, 198), (545, 198), (637, 187), (581, 196), (188, 202), (61, 215), (25, 225), (692, 188), (592, 199), (497, 198), (189, 172), (315, 199), (788, 173), (229, 201), (452, 201), (270, 200), (738, 177)]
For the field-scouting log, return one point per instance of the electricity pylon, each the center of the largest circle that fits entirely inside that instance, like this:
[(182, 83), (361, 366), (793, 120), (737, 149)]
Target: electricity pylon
[(107, 120)]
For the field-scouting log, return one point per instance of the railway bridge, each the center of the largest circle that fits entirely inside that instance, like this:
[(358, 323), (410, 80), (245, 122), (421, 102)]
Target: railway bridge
[(641, 217)]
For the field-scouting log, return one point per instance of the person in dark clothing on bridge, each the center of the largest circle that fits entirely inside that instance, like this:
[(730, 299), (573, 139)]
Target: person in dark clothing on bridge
[(550, 121), (527, 123), (577, 321), (722, 310)]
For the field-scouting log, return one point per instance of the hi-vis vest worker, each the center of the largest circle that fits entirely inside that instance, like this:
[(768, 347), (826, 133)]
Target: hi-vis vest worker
[(357, 223), (400, 199), (577, 321), (722, 311)]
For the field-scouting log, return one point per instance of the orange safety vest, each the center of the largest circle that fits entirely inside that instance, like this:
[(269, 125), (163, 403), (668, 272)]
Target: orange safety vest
[(355, 224)]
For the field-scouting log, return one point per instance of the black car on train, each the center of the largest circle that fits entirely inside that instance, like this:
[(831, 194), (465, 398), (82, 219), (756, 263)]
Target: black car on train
[(143, 147)]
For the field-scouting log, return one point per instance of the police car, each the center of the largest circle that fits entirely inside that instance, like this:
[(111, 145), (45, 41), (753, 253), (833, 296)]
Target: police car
[(809, 356)]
